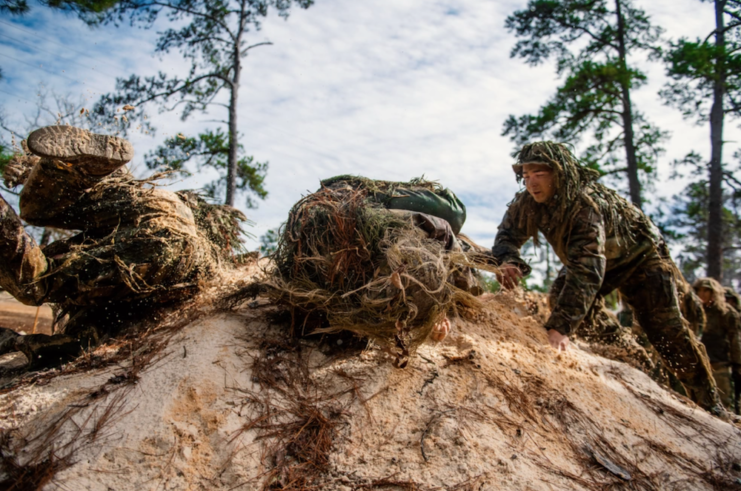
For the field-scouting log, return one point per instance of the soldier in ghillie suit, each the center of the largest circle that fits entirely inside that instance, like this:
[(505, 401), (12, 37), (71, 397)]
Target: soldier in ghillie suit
[(137, 246), (733, 299), (722, 339), (385, 260), (605, 243)]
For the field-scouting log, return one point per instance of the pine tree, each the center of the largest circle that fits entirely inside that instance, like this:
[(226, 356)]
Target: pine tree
[(706, 86), (591, 41)]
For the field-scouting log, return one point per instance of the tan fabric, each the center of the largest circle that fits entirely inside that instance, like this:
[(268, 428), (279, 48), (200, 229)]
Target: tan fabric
[(724, 379)]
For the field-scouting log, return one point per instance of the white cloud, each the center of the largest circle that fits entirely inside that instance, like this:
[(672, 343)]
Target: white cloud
[(387, 88)]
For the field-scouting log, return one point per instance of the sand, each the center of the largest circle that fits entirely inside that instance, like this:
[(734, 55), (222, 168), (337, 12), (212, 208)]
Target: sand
[(231, 404), (20, 318)]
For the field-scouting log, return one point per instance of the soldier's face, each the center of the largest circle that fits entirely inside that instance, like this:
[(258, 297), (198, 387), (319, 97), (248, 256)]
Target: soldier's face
[(706, 295), (539, 181)]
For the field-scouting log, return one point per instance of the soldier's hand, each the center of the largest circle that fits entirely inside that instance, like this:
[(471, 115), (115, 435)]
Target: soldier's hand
[(558, 341), (509, 276), (441, 330)]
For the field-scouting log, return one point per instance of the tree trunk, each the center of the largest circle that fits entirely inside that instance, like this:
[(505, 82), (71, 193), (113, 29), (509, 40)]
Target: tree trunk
[(715, 205), (231, 173), (627, 114)]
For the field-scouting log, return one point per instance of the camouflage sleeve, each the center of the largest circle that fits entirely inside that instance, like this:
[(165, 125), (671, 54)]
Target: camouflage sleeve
[(734, 338), (585, 263), (510, 237)]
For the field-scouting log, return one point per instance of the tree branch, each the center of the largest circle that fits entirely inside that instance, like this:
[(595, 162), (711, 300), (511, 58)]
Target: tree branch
[(725, 29), (264, 43), (178, 89), (731, 178), (190, 12), (590, 34)]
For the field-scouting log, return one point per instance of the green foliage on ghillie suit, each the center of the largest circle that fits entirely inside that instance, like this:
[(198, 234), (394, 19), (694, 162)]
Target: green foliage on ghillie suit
[(114, 267), (221, 225), (571, 179), (135, 246), (344, 256)]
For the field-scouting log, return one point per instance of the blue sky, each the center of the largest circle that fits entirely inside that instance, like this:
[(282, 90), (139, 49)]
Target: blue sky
[(390, 89)]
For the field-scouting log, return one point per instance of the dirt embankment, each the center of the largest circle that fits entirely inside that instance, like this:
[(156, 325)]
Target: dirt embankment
[(18, 317), (232, 403)]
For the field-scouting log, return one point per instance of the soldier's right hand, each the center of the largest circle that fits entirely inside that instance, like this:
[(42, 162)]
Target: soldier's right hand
[(558, 341), (509, 276)]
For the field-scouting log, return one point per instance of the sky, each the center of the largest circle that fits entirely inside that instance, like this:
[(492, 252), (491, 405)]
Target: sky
[(389, 89)]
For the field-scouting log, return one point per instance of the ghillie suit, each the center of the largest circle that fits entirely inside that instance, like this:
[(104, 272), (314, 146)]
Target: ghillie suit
[(608, 337), (733, 299), (605, 243), (383, 260), (722, 340), (138, 246)]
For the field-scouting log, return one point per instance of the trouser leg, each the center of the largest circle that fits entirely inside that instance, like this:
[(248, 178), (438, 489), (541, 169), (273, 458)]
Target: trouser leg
[(598, 325), (22, 264), (722, 376), (652, 293)]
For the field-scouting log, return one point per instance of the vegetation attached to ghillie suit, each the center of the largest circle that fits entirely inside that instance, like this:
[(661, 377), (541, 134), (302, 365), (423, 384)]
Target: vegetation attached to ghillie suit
[(221, 224), (140, 250), (345, 259), (577, 186)]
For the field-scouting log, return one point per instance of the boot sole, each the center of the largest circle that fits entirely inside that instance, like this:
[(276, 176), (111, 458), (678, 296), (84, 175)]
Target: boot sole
[(75, 144)]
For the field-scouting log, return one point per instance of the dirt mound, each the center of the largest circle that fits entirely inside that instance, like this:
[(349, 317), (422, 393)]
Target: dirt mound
[(230, 403), (18, 317)]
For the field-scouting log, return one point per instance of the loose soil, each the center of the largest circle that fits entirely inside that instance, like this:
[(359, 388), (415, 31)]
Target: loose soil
[(232, 403)]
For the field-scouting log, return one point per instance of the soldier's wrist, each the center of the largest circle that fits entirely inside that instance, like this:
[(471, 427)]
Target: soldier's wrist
[(558, 325)]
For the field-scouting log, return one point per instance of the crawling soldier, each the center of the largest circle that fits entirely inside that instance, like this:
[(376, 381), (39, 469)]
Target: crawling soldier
[(605, 243), (136, 247)]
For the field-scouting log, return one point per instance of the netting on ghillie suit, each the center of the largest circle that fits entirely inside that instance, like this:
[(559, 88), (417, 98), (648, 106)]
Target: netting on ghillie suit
[(358, 254), (132, 247)]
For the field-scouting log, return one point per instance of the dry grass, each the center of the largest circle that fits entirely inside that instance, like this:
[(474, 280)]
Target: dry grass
[(350, 262)]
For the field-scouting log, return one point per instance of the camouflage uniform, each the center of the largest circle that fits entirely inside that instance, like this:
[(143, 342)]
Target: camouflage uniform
[(136, 244), (605, 243), (733, 299), (722, 340), (435, 210)]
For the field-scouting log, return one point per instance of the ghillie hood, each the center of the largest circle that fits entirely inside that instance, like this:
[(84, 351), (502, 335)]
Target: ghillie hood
[(719, 293), (576, 186)]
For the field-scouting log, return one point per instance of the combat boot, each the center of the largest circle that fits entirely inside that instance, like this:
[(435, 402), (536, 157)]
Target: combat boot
[(94, 154)]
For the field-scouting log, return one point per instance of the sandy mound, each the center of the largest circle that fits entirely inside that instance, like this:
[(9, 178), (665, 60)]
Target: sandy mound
[(18, 317), (231, 403)]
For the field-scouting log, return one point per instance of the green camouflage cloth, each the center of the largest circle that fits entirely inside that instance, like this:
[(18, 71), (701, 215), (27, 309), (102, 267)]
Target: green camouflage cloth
[(136, 246), (722, 340), (605, 243)]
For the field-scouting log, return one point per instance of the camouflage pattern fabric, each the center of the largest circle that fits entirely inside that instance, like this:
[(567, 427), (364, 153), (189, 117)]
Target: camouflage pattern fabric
[(433, 209), (722, 339), (733, 299), (418, 195), (723, 375), (134, 240), (605, 243), (136, 247)]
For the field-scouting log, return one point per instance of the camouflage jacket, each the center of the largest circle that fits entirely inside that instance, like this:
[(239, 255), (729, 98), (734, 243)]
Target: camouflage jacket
[(722, 336), (595, 259)]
